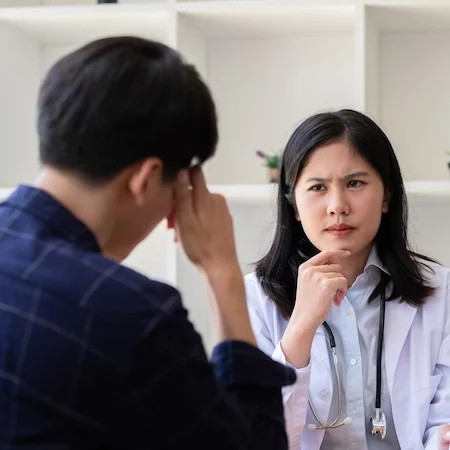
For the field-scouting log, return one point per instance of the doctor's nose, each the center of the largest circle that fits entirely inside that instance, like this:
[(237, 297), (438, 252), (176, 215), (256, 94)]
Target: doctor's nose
[(338, 205)]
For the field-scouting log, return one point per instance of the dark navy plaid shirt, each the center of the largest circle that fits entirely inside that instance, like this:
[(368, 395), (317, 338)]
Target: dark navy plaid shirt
[(96, 356)]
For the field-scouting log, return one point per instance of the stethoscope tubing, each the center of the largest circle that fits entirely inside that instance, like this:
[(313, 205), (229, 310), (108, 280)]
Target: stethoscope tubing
[(332, 342)]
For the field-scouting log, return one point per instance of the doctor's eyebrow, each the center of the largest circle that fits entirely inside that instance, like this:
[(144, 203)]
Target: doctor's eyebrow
[(347, 177)]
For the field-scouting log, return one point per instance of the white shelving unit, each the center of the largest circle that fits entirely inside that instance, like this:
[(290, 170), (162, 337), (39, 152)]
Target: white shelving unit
[(270, 64), (410, 98)]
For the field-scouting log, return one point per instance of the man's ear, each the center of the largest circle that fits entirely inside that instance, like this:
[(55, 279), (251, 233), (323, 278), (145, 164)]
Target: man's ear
[(386, 201), (143, 175)]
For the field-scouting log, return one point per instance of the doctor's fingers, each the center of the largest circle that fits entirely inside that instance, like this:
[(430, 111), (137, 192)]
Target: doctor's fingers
[(320, 269), (336, 280), (444, 437), (326, 257), (328, 284), (333, 276), (338, 288)]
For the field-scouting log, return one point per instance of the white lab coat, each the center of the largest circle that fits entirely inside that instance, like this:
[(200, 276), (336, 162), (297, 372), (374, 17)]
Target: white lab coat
[(417, 352)]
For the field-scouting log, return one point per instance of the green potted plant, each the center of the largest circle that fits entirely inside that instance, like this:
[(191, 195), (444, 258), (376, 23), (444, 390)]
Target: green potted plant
[(272, 162)]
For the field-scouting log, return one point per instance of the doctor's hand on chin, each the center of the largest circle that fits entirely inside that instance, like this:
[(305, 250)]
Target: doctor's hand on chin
[(444, 437)]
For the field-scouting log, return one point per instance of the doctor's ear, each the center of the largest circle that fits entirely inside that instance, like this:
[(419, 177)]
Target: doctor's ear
[(386, 201)]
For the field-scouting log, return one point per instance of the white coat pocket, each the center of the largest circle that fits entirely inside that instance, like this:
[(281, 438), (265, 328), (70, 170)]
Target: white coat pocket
[(426, 390)]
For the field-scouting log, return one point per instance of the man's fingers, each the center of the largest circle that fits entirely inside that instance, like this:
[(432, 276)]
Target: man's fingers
[(198, 178), (183, 194), (199, 188), (171, 219)]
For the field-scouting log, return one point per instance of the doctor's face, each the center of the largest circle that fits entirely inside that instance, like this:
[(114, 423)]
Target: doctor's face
[(340, 199)]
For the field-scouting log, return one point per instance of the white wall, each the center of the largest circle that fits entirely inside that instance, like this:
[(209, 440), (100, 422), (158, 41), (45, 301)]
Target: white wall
[(51, 53), (19, 82), (430, 229), (264, 88), (151, 257), (371, 68), (192, 45), (27, 62), (415, 101)]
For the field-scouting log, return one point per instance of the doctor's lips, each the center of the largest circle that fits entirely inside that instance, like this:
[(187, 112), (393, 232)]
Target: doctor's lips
[(340, 229)]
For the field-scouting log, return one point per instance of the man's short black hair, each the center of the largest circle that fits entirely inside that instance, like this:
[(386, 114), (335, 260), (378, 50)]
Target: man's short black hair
[(119, 100)]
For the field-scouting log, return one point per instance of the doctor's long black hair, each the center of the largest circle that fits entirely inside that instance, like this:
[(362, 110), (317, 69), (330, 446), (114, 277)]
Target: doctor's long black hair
[(278, 269)]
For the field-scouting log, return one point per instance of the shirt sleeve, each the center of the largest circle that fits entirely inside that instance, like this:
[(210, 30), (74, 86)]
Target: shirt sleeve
[(174, 398)]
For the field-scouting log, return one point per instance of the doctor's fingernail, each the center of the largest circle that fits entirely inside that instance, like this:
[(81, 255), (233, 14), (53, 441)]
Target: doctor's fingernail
[(447, 435)]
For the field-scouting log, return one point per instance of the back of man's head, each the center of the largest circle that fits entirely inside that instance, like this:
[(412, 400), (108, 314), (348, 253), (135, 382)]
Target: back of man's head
[(119, 100)]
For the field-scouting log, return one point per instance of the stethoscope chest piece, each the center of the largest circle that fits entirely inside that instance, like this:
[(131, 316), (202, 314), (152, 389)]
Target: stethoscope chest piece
[(378, 425)]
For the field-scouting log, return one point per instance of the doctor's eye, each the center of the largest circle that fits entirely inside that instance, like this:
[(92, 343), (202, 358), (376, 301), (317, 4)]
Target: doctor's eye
[(355, 183)]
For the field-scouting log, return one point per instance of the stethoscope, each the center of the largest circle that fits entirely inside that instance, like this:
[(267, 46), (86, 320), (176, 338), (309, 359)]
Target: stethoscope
[(377, 424)]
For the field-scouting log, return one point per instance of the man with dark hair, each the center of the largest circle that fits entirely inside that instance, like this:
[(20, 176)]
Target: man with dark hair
[(92, 354)]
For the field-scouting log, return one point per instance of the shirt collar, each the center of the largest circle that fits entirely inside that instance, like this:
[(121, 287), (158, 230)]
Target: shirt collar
[(56, 216), (374, 261)]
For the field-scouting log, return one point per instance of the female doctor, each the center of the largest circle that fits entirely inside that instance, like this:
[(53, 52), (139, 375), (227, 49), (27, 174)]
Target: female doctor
[(341, 297)]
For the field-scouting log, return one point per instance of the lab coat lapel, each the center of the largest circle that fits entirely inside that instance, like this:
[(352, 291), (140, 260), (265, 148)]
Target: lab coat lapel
[(398, 321)]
